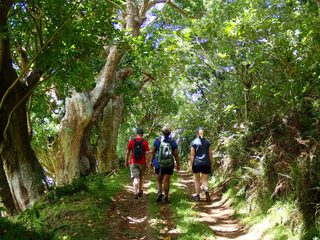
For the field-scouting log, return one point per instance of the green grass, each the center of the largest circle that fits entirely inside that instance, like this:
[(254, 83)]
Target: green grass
[(276, 219), (184, 213), (75, 211)]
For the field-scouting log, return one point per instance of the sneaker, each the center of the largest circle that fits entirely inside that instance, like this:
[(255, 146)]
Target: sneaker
[(159, 196), (140, 194), (208, 199), (196, 198), (165, 200)]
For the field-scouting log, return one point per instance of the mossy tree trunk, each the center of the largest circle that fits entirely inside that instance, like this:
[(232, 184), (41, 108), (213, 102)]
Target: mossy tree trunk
[(24, 174), (109, 127), (78, 120)]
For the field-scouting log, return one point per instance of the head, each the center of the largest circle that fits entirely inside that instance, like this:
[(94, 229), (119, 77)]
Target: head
[(139, 132), (200, 132), (166, 130)]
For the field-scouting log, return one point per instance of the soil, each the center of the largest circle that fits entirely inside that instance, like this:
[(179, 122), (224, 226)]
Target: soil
[(217, 214), (129, 218)]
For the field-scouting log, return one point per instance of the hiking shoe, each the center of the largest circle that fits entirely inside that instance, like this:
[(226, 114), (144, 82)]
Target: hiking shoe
[(165, 200), (196, 198), (140, 194), (208, 198), (159, 196)]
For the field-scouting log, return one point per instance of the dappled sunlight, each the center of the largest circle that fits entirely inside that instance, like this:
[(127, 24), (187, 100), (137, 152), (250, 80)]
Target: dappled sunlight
[(128, 218), (216, 214), (134, 220)]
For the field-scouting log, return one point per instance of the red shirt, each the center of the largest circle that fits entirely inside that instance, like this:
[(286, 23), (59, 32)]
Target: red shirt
[(145, 147)]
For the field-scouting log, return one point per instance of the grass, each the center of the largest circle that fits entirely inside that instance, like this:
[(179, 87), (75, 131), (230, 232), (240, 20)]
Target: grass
[(276, 220), (184, 213), (76, 211)]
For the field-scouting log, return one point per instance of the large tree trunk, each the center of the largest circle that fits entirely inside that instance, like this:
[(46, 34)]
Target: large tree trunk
[(107, 146), (88, 152), (23, 172), (70, 150), (82, 110), (78, 115), (73, 126), (5, 193)]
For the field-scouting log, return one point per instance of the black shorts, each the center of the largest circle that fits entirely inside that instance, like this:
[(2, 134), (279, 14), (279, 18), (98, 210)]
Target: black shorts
[(201, 169), (164, 170)]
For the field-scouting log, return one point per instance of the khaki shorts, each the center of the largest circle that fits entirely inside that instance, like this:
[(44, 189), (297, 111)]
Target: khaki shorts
[(137, 170)]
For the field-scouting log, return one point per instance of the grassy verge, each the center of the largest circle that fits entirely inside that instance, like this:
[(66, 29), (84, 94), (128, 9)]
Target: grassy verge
[(272, 220), (76, 211), (184, 213)]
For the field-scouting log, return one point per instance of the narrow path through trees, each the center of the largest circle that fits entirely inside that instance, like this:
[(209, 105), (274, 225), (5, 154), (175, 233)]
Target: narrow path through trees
[(130, 218), (217, 215)]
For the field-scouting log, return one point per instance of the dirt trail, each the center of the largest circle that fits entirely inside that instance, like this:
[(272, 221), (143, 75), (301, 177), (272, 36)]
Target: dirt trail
[(129, 218), (217, 215)]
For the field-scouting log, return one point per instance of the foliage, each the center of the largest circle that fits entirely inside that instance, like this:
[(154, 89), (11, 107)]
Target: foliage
[(75, 211), (11, 231)]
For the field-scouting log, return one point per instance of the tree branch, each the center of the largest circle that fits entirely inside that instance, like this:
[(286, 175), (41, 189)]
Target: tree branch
[(32, 61), (171, 4)]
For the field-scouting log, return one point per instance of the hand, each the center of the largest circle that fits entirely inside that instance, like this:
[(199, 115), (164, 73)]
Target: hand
[(178, 167), (151, 165), (127, 164)]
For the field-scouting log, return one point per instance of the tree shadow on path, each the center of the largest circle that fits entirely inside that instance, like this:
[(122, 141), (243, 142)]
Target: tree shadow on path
[(216, 214), (129, 218)]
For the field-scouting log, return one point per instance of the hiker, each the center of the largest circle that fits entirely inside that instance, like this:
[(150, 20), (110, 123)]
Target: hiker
[(138, 148), (164, 152), (201, 159)]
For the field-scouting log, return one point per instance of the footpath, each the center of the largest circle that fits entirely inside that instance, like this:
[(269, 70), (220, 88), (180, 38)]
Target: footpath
[(130, 218)]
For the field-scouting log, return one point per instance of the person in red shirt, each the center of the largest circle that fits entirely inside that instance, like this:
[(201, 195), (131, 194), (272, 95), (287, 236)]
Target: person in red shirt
[(139, 149)]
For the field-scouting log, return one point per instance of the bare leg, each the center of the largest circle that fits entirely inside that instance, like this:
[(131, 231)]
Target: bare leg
[(205, 184), (136, 185), (159, 182), (166, 180), (140, 184), (197, 183)]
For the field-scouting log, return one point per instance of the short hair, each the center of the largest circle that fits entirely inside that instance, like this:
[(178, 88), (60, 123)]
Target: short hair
[(139, 131), (199, 128)]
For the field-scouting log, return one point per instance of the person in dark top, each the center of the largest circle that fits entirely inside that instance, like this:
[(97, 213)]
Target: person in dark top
[(164, 152), (201, 160)]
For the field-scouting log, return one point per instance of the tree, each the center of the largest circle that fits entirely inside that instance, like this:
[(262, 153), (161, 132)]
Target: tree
[(23, 172)]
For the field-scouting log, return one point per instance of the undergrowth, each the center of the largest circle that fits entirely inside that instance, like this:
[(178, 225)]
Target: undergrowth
[(75, 211)]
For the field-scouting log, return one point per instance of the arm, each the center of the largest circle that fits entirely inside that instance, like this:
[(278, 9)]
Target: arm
[(210, 155), (176, 157), (192, 154), (152, 155), (127, 157)]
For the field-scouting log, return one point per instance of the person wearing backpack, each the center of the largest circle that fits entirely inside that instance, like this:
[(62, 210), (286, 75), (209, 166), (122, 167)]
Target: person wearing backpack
[(201, 159), (138, 148), (164, 152)]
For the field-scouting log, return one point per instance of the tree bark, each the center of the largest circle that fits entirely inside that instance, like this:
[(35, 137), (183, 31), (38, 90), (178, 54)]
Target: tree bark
[(5, 193), (82, 110), (107, 146), (23, 172), (73, 129)]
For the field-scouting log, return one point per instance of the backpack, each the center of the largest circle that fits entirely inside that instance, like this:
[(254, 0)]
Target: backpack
[(165, 154), (138, 150)]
